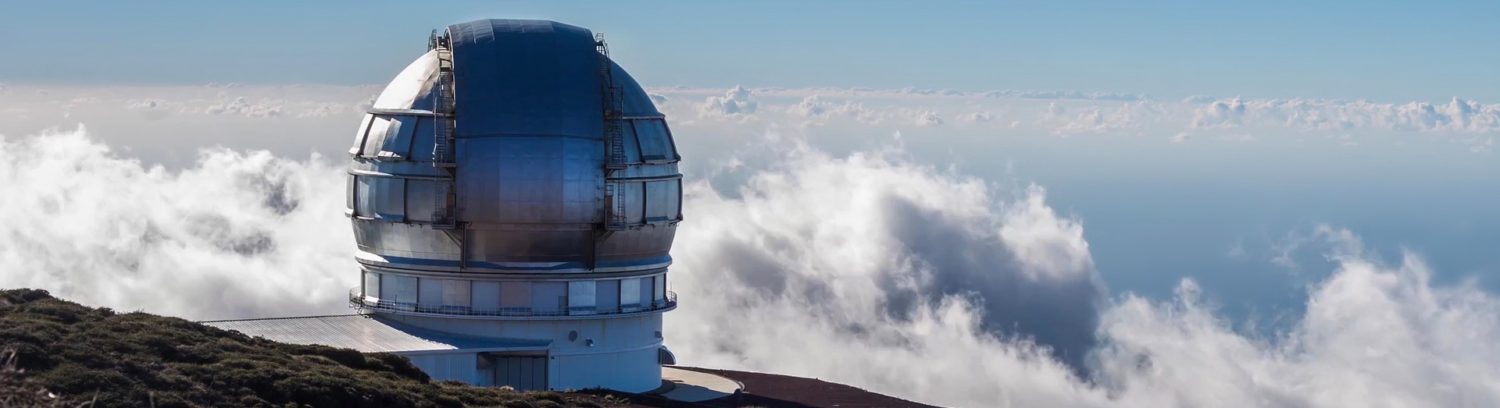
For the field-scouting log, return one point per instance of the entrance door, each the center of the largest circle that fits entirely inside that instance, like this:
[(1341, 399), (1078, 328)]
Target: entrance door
[(524, 372)]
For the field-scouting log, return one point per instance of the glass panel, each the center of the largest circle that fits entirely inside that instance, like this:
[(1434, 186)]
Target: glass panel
[(398, 137), (375, 139), (515, 296), (581, 297), (423, 197), (485, 296), (549, 297), (399, 289), (372, 285), (635, 202), (349, 193), (608, 295), (632, 146), (646, 287), (363, 197), (661, 200), (431, 295), (656, 143), (456, 294), (359, 137), (660, 292), (630, 293), (390, 193), (421, 140)]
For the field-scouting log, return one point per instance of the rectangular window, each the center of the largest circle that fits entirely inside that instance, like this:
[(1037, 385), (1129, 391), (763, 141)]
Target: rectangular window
[(349, 193), (662, 201), (398, 289), (632, 145), (635, 203), (424, 198), (390, 195), (608, 296), (485, 296), (656, 142), (456, 294), (661, 288), (420, 148), (630, 294), (364, 200), (581, 297), (431, 293), (397, 143), (515, 296), (646, 288), (375, 138), (549, 297), (372, 285), (359, 137)]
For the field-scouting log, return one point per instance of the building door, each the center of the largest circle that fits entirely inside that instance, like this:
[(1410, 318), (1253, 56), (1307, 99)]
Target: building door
[(524, 372)]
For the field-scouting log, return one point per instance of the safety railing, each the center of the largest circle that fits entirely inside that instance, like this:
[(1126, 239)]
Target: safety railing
[(358, 300)]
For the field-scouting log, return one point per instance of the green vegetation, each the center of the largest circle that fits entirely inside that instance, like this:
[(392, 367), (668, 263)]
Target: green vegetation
[(59, 353)]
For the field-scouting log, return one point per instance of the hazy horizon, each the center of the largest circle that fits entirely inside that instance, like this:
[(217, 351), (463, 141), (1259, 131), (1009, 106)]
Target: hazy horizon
[(1015, 205)]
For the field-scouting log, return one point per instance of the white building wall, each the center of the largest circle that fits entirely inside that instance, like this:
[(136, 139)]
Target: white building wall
[(616, 352)]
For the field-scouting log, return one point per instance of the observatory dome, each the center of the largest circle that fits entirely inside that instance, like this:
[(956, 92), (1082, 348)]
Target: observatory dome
[(525, 182), (514, 182)]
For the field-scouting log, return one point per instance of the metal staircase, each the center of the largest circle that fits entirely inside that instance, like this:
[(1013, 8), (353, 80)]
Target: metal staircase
[(445, 214), (444, 156), (614, 138)]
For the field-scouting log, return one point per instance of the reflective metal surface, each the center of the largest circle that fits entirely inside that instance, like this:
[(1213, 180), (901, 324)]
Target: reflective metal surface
[(559, 161), (374, 304)]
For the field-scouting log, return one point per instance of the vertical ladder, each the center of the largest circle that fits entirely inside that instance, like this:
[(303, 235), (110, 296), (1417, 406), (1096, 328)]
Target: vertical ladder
[(445, 207), (614, 137), (445, 215)]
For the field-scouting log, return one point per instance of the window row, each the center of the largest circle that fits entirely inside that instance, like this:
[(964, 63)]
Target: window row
[(396, 199), (462, 296), (418, 200), (648, 140), (648, 202), (395, 137), (410, 137)]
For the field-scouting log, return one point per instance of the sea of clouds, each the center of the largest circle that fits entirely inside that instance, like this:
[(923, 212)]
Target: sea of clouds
[(867, 267)]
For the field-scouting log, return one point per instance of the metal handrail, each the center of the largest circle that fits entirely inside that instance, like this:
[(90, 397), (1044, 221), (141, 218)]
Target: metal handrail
[(358, 300)]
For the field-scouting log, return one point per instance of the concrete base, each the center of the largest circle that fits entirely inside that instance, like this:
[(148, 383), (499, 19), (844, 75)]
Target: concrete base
[(693, 386)]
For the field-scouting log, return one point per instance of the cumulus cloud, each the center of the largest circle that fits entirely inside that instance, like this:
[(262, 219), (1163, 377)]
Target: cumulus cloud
[(815, 107), (867, 268), (736, 101), (1095, 96), (929, 118), (871, 247), (1458, 115), (241, 106), (1372, 335), (239, 234)]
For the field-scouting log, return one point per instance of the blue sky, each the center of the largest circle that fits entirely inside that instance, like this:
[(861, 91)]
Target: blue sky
[(1384, 51), (1309, 183)]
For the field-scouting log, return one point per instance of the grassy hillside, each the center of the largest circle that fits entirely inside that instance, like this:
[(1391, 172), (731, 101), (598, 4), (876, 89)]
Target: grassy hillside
[(58, 353)]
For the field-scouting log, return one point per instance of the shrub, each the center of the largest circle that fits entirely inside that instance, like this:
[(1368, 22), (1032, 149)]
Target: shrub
[(141, 360)]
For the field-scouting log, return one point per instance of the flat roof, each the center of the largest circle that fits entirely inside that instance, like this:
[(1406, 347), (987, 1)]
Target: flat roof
[(366, 333)]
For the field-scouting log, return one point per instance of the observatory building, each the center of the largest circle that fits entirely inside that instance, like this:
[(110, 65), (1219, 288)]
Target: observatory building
[(514, 194)]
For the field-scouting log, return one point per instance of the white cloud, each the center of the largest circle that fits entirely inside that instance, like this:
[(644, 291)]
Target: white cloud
[(1094, 96), (929, 118), (736, 101), (864, 268), (815, 107), (1372, 335), (241, 106), (239, 234)]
